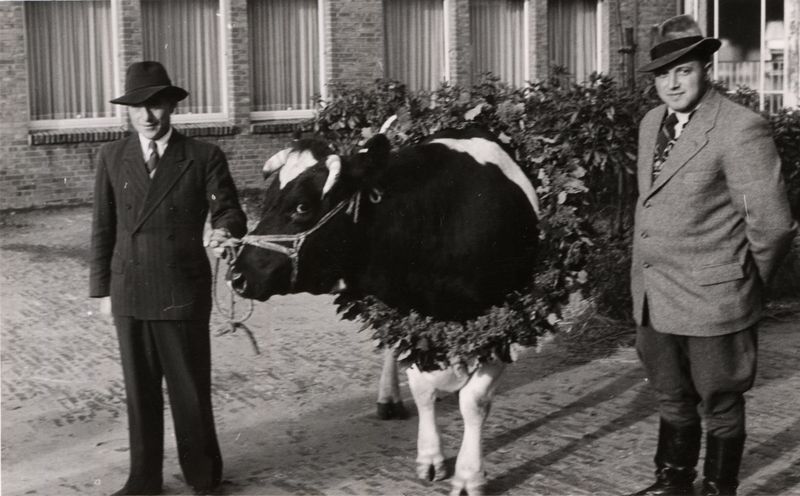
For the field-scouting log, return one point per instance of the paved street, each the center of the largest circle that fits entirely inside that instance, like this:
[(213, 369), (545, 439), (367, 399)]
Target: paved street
[(299, 418)]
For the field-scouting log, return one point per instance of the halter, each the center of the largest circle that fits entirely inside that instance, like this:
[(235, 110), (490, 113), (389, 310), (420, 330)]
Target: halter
[(290, 244)]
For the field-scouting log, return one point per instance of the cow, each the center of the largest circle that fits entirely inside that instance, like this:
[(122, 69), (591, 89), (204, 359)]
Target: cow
[(446, 227)]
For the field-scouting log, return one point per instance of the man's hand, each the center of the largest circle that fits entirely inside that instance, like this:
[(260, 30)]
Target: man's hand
[(105, 306), (217, 241)]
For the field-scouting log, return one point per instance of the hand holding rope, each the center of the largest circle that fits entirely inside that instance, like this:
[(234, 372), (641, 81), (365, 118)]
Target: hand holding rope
[(231, 249)]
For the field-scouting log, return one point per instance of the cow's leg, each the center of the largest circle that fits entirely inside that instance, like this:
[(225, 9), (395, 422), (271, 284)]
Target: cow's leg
[(430, 461), (390, 405), (475, 400)]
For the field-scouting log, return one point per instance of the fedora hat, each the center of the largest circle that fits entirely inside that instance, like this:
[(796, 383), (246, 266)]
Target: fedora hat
[(675, 38), (146, 80)]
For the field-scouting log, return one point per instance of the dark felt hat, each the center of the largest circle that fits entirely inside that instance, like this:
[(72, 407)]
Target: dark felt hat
[(147, 80), (676, 38)]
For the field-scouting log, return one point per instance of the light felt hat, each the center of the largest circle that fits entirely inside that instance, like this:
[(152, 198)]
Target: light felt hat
[(674, 39)]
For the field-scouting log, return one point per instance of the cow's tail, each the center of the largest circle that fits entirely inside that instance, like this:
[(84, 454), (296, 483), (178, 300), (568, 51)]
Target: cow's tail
[(386, 125)]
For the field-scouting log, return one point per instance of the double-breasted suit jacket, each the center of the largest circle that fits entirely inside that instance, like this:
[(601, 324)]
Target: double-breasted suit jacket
[(713, 226), (147, 251)]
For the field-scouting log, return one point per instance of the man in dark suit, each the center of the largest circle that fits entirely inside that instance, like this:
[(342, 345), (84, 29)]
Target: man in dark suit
[(712, 224), (153, 192)]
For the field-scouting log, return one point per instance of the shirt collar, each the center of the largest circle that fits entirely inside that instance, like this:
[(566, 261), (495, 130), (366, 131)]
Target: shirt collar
[(161, 144), (683, 117)]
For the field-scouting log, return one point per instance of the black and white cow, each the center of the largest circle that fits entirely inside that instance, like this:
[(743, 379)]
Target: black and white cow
[(446, 227)]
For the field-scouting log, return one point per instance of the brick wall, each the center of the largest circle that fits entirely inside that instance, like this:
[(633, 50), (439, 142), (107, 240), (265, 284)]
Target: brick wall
[(355, 48)]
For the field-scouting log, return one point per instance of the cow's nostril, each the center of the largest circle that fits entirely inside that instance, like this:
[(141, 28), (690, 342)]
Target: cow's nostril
[(235, 276)]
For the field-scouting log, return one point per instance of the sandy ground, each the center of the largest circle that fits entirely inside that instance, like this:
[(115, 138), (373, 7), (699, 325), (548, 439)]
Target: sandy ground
[(299, 418)]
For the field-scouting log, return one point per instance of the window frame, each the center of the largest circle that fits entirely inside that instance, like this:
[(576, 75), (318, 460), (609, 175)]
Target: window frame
[(192, 118), (258, 116), (447, 30), (118, 120), (697, 7), (526, 44)]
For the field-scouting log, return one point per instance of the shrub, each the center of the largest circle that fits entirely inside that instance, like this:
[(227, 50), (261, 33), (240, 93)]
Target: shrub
[(577, 143)]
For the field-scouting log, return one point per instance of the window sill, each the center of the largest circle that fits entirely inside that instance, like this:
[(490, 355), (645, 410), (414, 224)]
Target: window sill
[(77, 135), (207, 129), (101, 134), (282, 126)]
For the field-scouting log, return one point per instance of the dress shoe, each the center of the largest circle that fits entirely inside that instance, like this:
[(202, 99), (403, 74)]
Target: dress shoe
[(132, 489)]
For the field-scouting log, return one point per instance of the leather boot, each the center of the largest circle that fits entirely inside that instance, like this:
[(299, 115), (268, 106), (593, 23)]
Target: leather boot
[(676, 458), (721, 468)]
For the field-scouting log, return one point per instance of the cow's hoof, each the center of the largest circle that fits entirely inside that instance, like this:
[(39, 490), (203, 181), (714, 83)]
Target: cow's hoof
[(468, 487), (433, 471), (392, 411)]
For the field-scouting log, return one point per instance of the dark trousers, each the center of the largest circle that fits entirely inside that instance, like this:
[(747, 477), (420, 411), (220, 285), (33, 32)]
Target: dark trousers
[(179, 351), (710, 372)]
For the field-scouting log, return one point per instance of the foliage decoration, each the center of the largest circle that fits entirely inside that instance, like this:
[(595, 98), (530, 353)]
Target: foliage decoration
[(577, 143)]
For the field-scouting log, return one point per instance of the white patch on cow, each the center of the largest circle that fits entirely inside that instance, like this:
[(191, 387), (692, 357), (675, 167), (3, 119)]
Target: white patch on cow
[(276, 161), (296, 163), (484, 152)]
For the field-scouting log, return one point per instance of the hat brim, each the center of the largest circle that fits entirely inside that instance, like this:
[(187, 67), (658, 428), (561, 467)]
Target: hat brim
[(141, 95), (706, 45)]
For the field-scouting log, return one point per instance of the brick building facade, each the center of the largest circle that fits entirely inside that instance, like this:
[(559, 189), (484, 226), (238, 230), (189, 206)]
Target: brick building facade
[(41, 166)]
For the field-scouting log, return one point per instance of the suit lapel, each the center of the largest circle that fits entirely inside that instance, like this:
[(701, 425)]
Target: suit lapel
[(692, 140), (645, 160), (170, 168), (134, 170)]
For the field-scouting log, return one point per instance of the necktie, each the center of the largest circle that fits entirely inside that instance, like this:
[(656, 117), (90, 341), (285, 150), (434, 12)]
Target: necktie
[(664, 143), (152, 160)]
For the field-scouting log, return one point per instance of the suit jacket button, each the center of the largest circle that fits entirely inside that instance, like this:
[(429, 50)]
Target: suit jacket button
[(170, 237), (171, 265), (647, 204), (644, 234), (646, 265), (129, 206)]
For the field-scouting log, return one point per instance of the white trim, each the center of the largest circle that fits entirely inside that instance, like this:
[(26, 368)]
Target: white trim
[(526, 41), (118, 119), (198, 118), (116, 19), (598, 12), (446, 5), (322, 10), (715, 35), (224, 16), (268, 115), (762, 31), (94, 122)]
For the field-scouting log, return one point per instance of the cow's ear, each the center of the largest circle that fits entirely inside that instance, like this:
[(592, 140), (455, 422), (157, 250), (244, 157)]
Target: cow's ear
[(371, 158)]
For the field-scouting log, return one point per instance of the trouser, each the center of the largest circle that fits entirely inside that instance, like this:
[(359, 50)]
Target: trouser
[(712, 372), (180, 352)]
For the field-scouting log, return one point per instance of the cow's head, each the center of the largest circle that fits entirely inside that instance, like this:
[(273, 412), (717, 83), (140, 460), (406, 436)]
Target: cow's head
[(304, 240)]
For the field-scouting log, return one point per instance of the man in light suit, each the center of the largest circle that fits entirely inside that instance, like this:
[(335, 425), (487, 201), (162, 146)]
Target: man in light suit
[(712, 224), (153, 191)]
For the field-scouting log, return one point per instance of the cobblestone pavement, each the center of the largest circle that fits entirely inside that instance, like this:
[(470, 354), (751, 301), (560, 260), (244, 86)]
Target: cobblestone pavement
[(299, 418)]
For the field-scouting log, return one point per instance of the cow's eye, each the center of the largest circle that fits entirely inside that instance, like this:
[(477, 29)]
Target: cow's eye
[(301, 209)]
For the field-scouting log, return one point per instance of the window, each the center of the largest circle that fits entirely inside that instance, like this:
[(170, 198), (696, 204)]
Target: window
[(573, 36), (415, 42), (184, 35), (70, 79), (498, 33), (284, 57), (754, 43)]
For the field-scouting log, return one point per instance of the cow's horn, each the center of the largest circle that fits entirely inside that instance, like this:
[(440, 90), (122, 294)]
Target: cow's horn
[(334, 165), (276, 161), (386, 125)]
